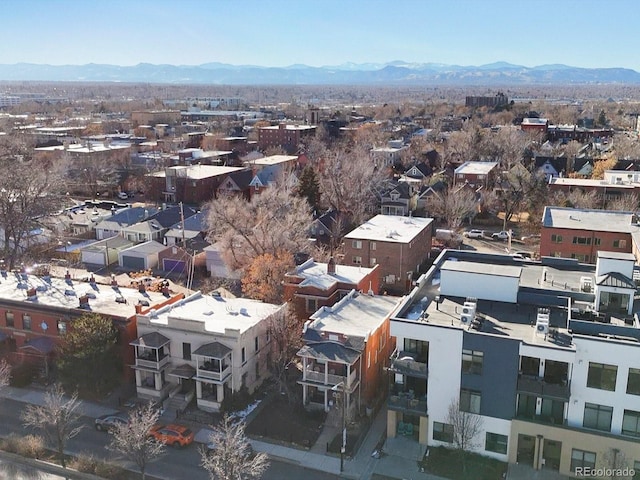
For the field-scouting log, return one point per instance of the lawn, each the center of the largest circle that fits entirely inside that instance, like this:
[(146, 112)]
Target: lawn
[(283, 422), (448, 463)]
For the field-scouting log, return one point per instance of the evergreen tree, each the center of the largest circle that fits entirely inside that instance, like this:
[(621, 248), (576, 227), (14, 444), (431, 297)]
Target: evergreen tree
[(309, 187), (88, 357)]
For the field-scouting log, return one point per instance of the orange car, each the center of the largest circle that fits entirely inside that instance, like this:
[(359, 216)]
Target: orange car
[(172, 434)]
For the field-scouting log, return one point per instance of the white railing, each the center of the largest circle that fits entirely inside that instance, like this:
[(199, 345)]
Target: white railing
[(320, 377), (153, 363), (213, 375)]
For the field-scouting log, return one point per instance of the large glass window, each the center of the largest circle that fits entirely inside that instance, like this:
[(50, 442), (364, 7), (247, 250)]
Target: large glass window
[(582, 459), (597, 416), (602, 376), (470, 401), (443, 432), (633, 381), (631, 423), (10, 319), (419, 347), (26, 322), (472, 361), (496, 443)]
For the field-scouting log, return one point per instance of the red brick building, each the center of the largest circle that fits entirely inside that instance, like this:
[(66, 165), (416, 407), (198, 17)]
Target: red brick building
[(285, 136), (582, 233), (400, 245), (312, 285), (347, 349)]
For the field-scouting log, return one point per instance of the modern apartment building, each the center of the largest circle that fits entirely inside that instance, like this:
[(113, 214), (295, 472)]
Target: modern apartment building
[(546, 354)]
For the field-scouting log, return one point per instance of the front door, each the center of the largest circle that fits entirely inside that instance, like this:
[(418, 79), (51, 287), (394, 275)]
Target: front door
[(551, 454), (526, 449)]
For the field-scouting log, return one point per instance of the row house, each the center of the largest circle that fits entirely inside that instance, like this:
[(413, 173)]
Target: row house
[(533, 349), (347, 348), (476, 174), (312, 285), (400, 245), (582, 233), (37, 310), (205, 346)]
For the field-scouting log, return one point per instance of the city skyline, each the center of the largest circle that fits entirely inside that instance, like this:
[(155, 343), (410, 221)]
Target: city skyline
[(281, 33)]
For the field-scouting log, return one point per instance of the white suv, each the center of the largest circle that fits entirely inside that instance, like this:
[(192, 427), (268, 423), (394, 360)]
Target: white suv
[(474, 234)]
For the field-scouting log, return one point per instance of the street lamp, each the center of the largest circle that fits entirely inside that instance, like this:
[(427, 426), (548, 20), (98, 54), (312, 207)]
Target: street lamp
[(339, 388)]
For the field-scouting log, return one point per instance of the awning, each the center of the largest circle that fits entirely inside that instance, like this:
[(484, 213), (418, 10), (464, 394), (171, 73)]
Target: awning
[(151, 340), (213, 350), (183, 371)]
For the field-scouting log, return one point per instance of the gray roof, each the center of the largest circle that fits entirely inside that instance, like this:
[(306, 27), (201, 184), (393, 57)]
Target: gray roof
[(147, 247), (331, 351), (183, 371), (616, 255), (151, 340), (483, 268), (615, 279), (593, 220), (213, 350)]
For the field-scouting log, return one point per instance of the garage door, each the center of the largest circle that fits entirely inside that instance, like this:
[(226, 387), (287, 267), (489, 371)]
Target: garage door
[(135, 263), (173, 266)]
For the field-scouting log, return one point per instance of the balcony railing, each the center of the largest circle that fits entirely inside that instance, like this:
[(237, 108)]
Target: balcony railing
[(544, 419), (319, 377), (539, 387), (405, 363), (406, 403), (150, 362), (213, 374)]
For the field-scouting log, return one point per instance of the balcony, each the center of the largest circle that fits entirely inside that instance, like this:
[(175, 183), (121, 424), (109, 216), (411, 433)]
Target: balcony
[(539, 387), (320, 377), (405, 363), (152, 361), (542, 419), (213, 374), (407, 403)]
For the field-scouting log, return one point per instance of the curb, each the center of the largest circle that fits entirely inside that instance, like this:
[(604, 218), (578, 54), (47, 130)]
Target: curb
[(48, 467)]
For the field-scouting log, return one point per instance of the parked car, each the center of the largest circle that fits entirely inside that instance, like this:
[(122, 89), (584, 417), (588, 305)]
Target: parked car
[(106, 423), (172, 434), (503, 235), (474, 234), (122, 196), (526, 255)]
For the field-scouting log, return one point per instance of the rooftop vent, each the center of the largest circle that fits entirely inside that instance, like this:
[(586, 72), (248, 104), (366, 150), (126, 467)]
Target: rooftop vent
[(121, 300), (70, 293)]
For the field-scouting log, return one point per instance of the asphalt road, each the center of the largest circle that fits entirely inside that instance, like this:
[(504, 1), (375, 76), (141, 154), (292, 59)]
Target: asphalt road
[(174, 464)]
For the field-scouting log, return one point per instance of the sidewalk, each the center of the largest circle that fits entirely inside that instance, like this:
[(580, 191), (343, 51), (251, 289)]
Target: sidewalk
[(399, 461)]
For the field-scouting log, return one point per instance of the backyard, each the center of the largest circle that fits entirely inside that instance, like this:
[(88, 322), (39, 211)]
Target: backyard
[(448, 463)]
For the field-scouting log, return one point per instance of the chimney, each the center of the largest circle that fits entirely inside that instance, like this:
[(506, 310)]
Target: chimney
[(31, 294), (83, 300), (331, 266), (141, 288), (138, 308)]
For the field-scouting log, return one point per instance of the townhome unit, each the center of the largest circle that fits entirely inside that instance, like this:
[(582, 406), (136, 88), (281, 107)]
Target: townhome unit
[(286, 136), (347, 348), (476, 174), (398, 244), (206, 346), (546, 354), (582, 233)]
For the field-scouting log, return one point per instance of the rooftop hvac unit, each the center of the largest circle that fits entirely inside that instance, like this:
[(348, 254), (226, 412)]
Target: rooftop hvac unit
[(542, 321), (466, 319)]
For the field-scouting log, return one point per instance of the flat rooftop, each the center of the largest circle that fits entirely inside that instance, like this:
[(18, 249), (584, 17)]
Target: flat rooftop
[(593, 220), (60, 293), (216, 313), (390, 228), (587, 182), (315, 274), (475, 168), (272, 160), (355, 315), (197, 172)]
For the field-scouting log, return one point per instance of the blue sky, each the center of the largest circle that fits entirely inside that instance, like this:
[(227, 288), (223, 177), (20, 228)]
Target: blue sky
[(583, 33)]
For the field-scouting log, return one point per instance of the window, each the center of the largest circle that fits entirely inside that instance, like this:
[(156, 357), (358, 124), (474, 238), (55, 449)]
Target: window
[(470, 401), (257, 370), (597, 416), (443, 432), (372, 245), (62, 327), (312, 305), (472, 362), (243, 356), (582, 240), (556, 238), (602, 376), (619, 244), (597, 241), (9, 319), (583, 460), (419, 347), (186, 351), (496, 443), (633, 381), (373, 261), (26, 322), (357, 260), (631, 423), (356, 244), (256, 342)]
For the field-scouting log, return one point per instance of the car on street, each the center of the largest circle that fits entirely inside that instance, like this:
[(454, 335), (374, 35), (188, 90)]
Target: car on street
[(106, 423), (122, 195), (474, 234), (172, 434), (503, 235)]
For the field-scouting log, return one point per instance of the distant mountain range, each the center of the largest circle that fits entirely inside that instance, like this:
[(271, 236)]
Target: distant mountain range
[(391, 73)]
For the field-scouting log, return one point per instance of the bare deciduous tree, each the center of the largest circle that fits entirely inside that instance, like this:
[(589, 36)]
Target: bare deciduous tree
[(5, 373), (232, 457), (133, 441), (285, 333), (466, 429), (453, 206), (272, 221), (58, 418), (625, 203)]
